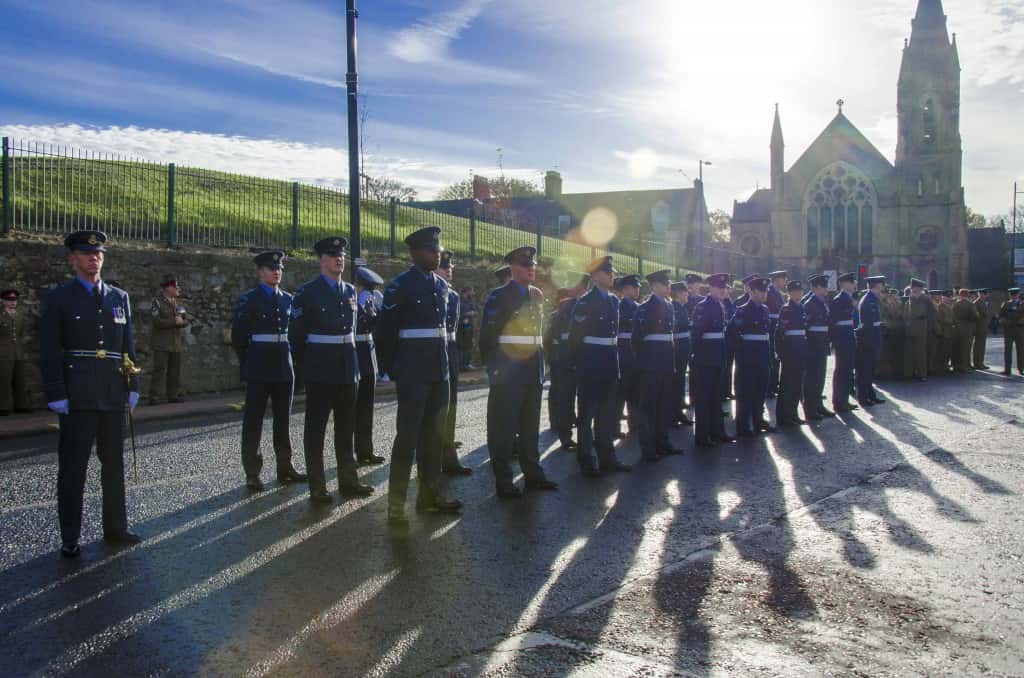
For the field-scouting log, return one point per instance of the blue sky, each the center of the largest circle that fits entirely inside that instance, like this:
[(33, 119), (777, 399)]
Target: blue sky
[(615, 95)]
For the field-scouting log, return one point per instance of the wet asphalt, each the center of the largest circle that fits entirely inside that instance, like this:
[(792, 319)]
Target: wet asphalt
[(671, 569)]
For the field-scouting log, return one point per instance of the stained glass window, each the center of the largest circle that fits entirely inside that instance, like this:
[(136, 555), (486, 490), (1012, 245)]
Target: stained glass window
[(839, 205)]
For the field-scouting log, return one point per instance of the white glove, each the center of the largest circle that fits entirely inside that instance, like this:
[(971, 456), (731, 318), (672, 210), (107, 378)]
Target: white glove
[(364, 296), (133, 400), (59, 406)]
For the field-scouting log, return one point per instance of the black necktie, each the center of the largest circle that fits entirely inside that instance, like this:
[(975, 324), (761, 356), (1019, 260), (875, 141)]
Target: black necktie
[(97, 296)]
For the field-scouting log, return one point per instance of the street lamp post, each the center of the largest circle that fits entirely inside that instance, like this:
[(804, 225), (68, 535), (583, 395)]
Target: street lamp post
[(1013, 238), (351, 80), (703, 213)]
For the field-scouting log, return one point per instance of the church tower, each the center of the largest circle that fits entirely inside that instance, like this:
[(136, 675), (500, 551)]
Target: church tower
[(929, 150)]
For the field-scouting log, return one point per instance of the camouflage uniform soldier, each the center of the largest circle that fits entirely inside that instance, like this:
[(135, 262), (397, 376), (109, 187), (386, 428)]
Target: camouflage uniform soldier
[(13, 326), (168, 321), (920, 321), (981, 329), (965, 316)]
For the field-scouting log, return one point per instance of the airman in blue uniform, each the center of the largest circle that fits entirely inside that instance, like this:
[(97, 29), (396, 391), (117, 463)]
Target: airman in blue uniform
[(869, 341), (729, 307), (707, 333), (562, 392), (748, 332), (694, 297), (653, 343), (323, 337), (412, 348), (87, 354), (683, 350), (841, 333), (791, 347), (367, 282), (511, 345), (259, 334), (816, 316), (774, 302), (593, 347), (450, 463), (629, 388)]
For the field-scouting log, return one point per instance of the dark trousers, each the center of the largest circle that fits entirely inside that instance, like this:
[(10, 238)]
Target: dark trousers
[(659, 407), (842, 376), (597, 423), (449, 455), (980, 341), (364, 416), (751, 391), (679, 386), (256, 394), (166, 383), (727, 372), (465, 346), (1013, 336), (78, 431), (915, 357), (514, 410), (709, 422), (628, 397), (791, 382), (321, 401), (773, 359), (962, 351), (420, 435), (562, 402), (13, 386), (867, 358), (814, 380)]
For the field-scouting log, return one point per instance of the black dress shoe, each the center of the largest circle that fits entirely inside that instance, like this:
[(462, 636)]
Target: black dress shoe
[(70, 550), (124, 537), (825, 412), (370, 460), (670, 451), (685, 420), (745, 434), (509, 492), (543, 484), (254, 483), (321, 498), (618, 435), (764, 427), (880, 401), (23, 410), (457, 444), (815, 417), (569, 446), (591, 473), (355, 490), (439, 505), (288, 475), (848, 407), (457, 470), (616, 467), (705, 443), (866, 403), (727, 438)]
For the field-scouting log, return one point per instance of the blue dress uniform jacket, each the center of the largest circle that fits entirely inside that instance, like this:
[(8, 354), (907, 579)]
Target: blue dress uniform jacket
[(682, 339), (708, 318), (366, 324), (627, 356), (691, 304), (749, 334), (652, 336), (791, 348), (708, 336), (562, 393), (869, 328), (594, 337), (449, 457), (323, 314), (841, 333), (258, 313), (511, 337), (72, 322), (415, 306), (816, 316)]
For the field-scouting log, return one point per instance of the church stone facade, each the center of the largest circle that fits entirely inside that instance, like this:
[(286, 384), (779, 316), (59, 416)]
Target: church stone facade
[(843, 203)]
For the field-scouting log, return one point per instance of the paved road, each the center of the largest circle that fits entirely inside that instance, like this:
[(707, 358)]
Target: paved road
[(890, 542)]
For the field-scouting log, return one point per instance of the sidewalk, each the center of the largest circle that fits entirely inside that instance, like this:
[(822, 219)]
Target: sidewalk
[(20, 425)]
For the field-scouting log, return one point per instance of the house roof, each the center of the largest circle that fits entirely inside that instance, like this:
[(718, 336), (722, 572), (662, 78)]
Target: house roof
[(841, 140), (755, 210)]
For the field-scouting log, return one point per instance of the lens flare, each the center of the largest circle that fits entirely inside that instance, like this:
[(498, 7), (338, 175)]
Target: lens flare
[(599, 227)]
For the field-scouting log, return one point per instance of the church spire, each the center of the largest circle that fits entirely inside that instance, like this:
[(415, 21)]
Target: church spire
[(929, 23), (778, 148)]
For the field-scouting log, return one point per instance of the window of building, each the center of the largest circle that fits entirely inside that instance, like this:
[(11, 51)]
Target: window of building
[(920, 187), (839, 211), (928, 121), (927, 239), (661, 216), (751, 245)]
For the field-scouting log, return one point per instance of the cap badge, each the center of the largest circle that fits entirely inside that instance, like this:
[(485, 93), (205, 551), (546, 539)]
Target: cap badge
[(93, 241)]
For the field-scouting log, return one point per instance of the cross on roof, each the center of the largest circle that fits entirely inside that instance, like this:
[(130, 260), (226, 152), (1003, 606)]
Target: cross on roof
[(840, 105)]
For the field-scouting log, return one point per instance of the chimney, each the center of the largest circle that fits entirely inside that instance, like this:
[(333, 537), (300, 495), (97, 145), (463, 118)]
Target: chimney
[(552, 185), (481, 188)]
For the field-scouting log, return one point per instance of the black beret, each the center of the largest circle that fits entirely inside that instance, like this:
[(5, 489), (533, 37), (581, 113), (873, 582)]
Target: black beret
[(168, 280)]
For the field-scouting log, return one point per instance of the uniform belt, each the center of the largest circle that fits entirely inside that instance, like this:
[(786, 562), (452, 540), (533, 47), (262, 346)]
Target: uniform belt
[(520, 340), (423, 333), (625, 335), (818, 328), (269, 338), (565, 336), (796, 333), (681, 335), (452, 336), (113, 355), (331, 338), (844, 323), (601, 341), (773, 316), (713, 335), (755, 337), (364, 338), (878, 323), (555, 342), (658, 337)]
